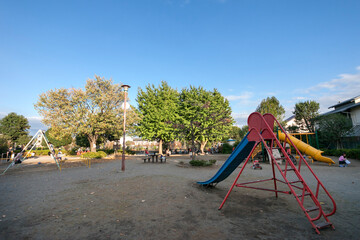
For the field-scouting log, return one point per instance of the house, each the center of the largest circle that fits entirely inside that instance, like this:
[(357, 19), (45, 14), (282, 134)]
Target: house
[(292, 126), (351, 109)]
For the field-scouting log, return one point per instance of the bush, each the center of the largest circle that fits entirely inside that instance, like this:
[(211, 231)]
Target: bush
[(99, 154), (107, 151), (127, 151), (71, 152), (350, 153), (3, 145), (202, 163), (43, 152)]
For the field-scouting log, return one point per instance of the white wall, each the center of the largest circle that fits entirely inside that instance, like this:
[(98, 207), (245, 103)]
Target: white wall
[(355, 115)]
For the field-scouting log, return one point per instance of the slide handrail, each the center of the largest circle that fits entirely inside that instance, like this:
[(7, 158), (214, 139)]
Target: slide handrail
[(319, 183)]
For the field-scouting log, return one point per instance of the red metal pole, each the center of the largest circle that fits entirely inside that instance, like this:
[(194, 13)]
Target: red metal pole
[(242, 169), (124, 128)]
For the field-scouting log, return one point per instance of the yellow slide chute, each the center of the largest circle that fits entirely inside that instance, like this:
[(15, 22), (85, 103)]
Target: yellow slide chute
[(306, 149)]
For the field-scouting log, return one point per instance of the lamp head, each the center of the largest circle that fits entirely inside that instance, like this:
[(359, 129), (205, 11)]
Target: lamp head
[(125, 87)]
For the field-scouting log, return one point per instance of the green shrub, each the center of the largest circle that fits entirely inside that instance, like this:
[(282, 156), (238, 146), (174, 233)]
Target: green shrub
[(71, 152), (227, 148), (202, 163), (3, 145), (99, 154), (43, 152), (107, 151), (127, 151), (350, 153)]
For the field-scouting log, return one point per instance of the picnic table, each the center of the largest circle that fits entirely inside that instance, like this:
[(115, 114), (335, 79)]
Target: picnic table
[(154, 158)]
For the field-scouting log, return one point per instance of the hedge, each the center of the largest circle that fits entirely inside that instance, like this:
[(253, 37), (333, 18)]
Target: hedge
[(350, 153), (99, 154), (202, 162), (40, 152)]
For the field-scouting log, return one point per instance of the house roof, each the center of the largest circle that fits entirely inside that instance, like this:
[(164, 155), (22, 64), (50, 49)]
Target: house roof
[(290, 118), (345, 102), (342, 109)]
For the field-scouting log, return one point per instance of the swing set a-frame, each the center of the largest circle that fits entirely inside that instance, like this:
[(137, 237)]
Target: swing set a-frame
[(20, 157), (293, 176)]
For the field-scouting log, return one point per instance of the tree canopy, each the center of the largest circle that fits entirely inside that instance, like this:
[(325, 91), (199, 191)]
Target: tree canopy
[(305, 114), (204, 115), (15, 127), (158, 111), (94, 111), (332, 128), (273, 106), (58, 141)]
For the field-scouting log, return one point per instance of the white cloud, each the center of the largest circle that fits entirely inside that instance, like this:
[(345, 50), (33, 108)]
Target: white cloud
[(36, 124), (344, 87), (244, 96), (240, 118)]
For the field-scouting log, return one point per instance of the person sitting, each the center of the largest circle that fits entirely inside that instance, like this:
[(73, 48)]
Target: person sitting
[(342, 160), (168, 152), (162, 158), (59, 155)]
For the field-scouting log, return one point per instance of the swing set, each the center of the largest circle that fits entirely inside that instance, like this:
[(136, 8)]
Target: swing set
[(20, 157)]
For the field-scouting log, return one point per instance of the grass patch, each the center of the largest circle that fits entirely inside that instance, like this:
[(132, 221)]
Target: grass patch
[(202, 163), (92, 155)]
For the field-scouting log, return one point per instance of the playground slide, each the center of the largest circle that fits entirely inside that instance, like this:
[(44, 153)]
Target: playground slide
[(307, 149), (240, 153)]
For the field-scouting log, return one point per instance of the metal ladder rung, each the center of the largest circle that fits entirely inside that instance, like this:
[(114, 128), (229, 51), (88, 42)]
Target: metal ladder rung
[(323, 225), (295, 181), (301, 195), (288, 169), (311, 209)]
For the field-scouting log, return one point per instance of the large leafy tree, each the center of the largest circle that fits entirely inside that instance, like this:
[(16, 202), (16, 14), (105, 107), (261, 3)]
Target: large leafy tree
[(273, 106), (158, 111), (92, 112), (235, 133), (58, 141), (205, 116), (305, 113), (244, 130), (15, 127), (332, 128)]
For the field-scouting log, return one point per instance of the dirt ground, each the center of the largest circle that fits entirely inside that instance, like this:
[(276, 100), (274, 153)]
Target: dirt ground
[(162, 201)]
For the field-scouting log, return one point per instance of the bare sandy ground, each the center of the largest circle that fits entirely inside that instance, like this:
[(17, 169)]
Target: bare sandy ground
[(162, 201)]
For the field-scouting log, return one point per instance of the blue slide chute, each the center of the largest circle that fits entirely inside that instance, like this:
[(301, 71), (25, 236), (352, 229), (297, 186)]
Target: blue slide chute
[(240, 153)]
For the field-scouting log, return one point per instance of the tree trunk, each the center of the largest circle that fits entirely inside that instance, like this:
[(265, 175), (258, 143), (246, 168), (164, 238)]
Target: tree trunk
[(160, 146), (202, 146), (92, 141), (193, 149)]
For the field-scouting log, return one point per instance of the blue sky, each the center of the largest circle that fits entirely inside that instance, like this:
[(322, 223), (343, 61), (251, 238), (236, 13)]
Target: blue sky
[(248, 50)]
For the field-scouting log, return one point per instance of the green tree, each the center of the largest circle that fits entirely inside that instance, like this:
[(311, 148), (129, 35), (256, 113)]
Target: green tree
[(3, 144), (273, 106), (305, 113), (205, 116), (244, 130), (14, 127), (158, 111), (23, 140), (235, 133), (58, 141), (332, 128), (93, 112)]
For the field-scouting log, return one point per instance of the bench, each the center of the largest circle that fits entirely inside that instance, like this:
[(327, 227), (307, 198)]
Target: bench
[(147, 158)]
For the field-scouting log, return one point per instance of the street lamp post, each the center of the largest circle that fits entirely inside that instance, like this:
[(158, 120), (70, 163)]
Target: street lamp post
[(125, 87)]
